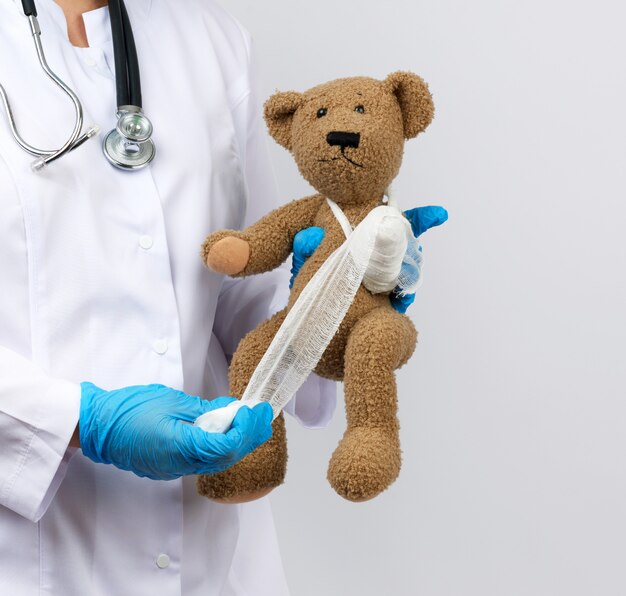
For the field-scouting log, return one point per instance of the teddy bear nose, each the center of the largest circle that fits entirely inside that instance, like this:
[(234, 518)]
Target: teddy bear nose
[(343, 139)]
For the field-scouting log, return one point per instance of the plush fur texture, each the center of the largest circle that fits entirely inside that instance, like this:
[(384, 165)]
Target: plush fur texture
[(373, 340)]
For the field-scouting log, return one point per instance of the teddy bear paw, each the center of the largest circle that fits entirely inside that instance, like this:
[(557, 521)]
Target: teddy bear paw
[(229, 256)]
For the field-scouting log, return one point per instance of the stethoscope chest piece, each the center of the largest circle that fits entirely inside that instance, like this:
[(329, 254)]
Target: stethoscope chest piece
[(129, 146)]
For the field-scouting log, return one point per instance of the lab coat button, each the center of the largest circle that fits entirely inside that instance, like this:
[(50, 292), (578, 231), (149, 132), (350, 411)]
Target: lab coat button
[(146, 242), (160, 346), (90, 61), (163, 561)]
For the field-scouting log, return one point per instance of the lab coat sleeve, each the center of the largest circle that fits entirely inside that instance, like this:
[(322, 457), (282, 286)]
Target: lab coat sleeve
[(244, 303), (38, 415)]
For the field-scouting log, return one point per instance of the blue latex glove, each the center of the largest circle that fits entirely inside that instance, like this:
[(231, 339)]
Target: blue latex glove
[(304, 244), (424, 218), (421, 218), (401, 303), (144, 429)]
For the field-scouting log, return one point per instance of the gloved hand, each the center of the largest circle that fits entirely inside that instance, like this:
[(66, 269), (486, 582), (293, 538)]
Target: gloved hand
[(144, 429), (421, 218)]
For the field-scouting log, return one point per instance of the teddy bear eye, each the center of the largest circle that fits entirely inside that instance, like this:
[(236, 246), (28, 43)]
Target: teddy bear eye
[(360, 109), (322, 112)]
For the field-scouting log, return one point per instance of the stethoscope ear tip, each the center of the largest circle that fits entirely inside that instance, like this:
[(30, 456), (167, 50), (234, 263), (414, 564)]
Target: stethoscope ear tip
[(38, 165), (93, 131)]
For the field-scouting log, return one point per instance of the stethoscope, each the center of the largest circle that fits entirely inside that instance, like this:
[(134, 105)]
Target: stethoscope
[(128, 146)]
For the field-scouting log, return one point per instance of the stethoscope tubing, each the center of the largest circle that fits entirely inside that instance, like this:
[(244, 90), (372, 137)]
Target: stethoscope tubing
[(134, 78), (127, 80), (75, 140)]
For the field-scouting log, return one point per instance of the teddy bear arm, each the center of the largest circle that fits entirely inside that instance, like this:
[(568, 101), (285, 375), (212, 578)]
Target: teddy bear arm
[(271, 238)]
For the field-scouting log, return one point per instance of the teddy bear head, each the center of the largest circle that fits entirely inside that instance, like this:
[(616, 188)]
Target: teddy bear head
[(347, 136)]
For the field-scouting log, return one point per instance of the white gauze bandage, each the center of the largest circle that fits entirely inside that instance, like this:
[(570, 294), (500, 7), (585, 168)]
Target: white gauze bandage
[(381, 252)]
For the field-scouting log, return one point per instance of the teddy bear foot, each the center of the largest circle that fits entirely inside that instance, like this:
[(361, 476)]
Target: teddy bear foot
[(244, 482), (255, 476), (219, 496), (365, 463)]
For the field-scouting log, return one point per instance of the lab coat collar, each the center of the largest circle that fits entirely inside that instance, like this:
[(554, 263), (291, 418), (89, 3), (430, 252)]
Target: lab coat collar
[(139, 11)]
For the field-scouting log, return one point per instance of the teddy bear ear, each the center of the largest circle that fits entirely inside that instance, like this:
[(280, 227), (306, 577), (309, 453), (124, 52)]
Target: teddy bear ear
[(278, 112), (416, 102)]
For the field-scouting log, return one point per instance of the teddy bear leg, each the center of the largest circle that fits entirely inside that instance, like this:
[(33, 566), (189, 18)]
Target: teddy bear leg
[(264, 469), (367, 459)]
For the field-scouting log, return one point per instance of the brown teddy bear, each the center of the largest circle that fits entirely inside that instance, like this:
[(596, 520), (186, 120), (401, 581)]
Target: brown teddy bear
[(347, 137)]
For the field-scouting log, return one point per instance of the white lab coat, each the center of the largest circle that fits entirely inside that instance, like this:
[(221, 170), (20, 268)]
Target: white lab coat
[(102, 281)]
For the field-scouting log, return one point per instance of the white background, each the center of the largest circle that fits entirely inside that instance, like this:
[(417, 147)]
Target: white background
[(513, 408)]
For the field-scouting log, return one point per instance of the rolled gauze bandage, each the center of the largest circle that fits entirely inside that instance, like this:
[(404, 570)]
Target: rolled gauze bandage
[(220, 419)]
